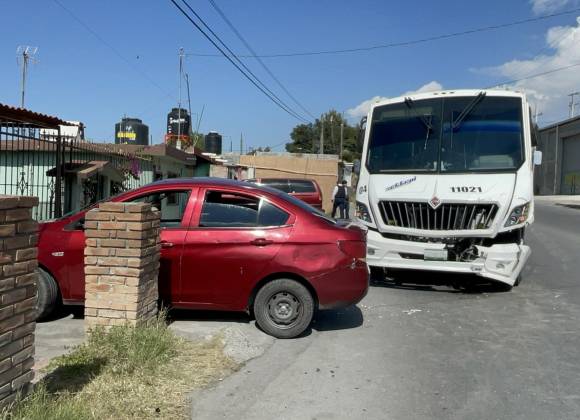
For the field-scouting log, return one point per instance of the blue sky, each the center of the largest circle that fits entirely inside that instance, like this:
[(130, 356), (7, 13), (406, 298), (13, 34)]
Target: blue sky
[(78, 77)]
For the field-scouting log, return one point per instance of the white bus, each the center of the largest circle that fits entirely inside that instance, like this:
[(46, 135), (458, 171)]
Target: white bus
[(446, 183)]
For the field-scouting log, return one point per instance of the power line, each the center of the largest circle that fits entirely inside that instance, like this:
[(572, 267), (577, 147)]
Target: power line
[(253, 79), (113, 49), (406, 43), (258, 59), (545, 48), (533, 76)]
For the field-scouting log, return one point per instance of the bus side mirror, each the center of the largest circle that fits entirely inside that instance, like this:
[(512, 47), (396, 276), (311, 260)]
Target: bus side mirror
[(537, 157), (360, 138)]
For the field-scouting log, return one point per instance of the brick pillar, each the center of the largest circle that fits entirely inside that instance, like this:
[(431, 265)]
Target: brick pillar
[(18, 253), (121, 264)]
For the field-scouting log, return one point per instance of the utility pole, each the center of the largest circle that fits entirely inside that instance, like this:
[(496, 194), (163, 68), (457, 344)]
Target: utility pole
[(241, 144), (572, 104), (181, 55), (24, 54), (333, 144), (537, 114), (341, 137), (321, 147)]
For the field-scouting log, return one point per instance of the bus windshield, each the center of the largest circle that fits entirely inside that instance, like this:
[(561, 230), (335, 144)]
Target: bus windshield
[(453, 134)]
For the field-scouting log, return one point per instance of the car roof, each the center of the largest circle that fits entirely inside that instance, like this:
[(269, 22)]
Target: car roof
[(199, 181), (209, 182)]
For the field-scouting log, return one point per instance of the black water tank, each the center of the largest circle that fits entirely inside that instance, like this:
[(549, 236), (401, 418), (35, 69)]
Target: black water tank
[(174, 118), (131, 131), (213, 143)]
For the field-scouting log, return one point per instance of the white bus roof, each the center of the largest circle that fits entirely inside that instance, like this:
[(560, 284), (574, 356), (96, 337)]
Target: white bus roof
[(450, 93)]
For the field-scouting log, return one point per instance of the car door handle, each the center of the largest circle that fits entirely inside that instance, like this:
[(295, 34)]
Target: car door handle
[(261, 242), (165, 244)]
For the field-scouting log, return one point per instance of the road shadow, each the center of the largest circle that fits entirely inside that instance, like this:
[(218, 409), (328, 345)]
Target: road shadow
[(64, 311), (433, 281), (174, 314), (338, 319), (324, 320)]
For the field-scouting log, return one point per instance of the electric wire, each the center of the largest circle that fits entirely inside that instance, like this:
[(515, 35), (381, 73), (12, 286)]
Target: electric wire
[(533, 76), (258, 59), (113, 49), (408, 42), (246, 72)]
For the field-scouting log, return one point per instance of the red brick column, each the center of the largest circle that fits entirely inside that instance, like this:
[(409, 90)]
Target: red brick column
[(121, 264), (18, 263)]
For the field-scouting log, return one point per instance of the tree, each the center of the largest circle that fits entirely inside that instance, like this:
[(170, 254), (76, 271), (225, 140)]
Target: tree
[(306, 137)]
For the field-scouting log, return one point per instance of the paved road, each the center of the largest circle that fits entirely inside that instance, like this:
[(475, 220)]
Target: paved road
[(426, 351)]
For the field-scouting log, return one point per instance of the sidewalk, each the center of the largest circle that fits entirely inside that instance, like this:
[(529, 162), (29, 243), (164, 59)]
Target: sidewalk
[(562, 200)]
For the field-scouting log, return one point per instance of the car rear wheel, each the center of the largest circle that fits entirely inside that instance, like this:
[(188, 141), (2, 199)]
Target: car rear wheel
[(47, 294), (284, 308)]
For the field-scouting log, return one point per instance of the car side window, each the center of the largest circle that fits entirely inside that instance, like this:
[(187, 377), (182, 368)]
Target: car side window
[(230, 210), (301, 186), (171, 205), (270, 215)]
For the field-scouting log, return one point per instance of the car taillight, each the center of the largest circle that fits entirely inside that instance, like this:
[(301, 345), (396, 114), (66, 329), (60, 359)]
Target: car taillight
[(354, 249)]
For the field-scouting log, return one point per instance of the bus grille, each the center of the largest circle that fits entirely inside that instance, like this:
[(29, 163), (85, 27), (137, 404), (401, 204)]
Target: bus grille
[(418, 215)]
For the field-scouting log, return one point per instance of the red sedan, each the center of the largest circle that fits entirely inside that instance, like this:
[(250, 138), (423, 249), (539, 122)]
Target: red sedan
[(226, 245)]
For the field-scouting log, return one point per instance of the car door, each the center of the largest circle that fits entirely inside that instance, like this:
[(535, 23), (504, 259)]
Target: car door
[(233, 238), (175, 207)]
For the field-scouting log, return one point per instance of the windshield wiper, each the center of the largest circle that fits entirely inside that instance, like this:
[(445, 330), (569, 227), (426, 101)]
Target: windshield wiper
[(426, 122), (467, 110)]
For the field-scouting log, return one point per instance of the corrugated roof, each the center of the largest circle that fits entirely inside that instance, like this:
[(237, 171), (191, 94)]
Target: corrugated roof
[(560, 123), (22, 115)]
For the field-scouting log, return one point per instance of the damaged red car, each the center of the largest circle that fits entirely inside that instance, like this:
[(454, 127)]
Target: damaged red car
[(226, 245)]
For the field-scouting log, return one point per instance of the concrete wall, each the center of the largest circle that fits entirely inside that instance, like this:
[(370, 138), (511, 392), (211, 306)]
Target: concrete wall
[(18, 277), (323, 170)]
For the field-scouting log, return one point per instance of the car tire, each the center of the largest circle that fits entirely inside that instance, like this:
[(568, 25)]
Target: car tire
[(283, 308), (46, 296)]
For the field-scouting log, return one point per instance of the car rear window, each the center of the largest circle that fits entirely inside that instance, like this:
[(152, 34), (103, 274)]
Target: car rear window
[(302, 186), (279, 184), (299, 203)]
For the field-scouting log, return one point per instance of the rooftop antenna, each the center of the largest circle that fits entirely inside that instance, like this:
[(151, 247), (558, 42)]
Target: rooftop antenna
[(572, 104), (24, 55)]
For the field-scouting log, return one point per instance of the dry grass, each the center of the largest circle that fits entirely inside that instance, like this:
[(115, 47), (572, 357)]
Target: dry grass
[(143, 373)]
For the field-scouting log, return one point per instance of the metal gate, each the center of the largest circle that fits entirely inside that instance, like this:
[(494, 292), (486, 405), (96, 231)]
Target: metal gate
[(570, 165), (64, 172)]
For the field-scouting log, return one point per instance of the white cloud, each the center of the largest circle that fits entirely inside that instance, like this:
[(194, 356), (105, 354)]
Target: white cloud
[(429, 87), (548, 92), (362, 109), (548, 6)]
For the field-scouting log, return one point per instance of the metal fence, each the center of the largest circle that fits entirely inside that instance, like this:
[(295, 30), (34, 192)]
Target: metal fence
[(65, 173)]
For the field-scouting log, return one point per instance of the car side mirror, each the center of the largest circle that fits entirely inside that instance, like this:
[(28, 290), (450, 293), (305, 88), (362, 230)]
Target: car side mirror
[(80, 224), (537, 157)]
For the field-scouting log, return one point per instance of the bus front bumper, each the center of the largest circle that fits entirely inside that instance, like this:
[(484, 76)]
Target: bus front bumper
[(499, 262)]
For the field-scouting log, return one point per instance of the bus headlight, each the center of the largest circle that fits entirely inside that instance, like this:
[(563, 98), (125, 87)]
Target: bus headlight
[(363, 213), (518, 215)]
